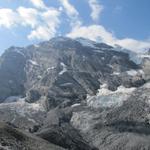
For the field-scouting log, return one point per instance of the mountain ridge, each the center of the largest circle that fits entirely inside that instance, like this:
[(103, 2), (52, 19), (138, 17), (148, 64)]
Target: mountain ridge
[(77, 94)]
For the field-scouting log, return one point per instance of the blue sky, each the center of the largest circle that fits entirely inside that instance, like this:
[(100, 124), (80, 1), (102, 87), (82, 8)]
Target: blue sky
[(121, 22)]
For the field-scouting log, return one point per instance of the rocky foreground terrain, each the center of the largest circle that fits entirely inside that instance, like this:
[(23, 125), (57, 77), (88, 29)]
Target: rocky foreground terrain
[(74, 94)]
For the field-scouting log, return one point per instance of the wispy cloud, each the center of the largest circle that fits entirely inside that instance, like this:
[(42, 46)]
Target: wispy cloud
[(71, 12), (44, 22), (48, 27), (100, 34), (96, 8), (93, 32)]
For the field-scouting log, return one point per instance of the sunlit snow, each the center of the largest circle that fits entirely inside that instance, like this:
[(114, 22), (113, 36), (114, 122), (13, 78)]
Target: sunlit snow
[(64, 68), (108, 98), (86, 42)]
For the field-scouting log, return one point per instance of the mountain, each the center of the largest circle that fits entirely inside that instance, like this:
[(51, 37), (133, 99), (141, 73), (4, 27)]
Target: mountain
[(13, 139), (77, 93), (53, 67)]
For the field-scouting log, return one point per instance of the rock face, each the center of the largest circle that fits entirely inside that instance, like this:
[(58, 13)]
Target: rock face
[(77, 94), (13, 139), (64, 69), (123, 127), (65, 136), (12, 74)]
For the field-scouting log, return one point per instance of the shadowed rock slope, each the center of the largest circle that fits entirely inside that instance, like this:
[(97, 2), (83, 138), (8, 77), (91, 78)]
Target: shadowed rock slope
[(13, 139)]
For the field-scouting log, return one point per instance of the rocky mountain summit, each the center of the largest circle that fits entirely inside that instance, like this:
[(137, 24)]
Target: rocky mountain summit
[(77, 94)]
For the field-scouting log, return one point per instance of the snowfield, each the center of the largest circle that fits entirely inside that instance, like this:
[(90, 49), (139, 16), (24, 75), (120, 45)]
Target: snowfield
[(135, 72), (107, 98), (86, 43), (21, 113), (22, 107)]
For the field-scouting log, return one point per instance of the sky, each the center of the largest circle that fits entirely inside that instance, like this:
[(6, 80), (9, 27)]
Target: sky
[(115, 22)]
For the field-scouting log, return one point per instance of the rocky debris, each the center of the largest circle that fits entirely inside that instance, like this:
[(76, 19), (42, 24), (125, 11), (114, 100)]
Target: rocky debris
[(146, 67), (124, 127), (57, 116), (106, 98), (32, 96), (65, 136), (14, 139), (135, 109), (22, 114), (57, 129)]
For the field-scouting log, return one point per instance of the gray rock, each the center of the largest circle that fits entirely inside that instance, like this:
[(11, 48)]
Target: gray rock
[(14, 139), (65, 136), (57, 77)]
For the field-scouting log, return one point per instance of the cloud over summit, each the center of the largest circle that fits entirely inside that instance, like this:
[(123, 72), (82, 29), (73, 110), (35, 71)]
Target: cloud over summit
[(45, 22)]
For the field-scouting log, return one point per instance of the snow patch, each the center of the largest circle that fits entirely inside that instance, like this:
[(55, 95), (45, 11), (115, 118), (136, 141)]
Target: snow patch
[(66, 84), (86, 42), (108, 98), (34, 63), (64, 68), (104, 85), (133, 55), (22, 108), (102, 58), (135, 72), (49, 69), (132, 72), (39, 77), (84, 58), (116, 73), (144, 56), (147, 85), (19, 51), (36, 45), (13, 120), (75, 105), (121, 89), (32, 120)]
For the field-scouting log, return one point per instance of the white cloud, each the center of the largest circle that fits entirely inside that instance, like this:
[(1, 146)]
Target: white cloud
[(48, 27), (38, 3), (51, 17), (71, 12), (8, 18), (96, 9), (28, 16), (133, 44), (43, 23), (70, 9), (41, 33), (93, 32), (99, 33)]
